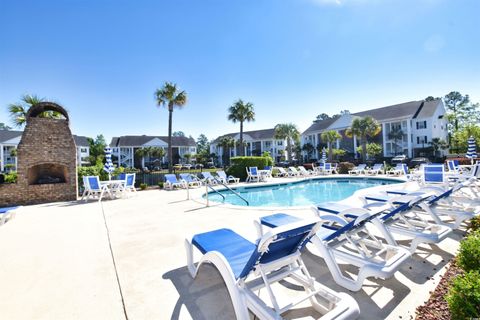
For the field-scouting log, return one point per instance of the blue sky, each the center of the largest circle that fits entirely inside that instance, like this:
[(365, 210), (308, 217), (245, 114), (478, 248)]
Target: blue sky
[(293, 59)]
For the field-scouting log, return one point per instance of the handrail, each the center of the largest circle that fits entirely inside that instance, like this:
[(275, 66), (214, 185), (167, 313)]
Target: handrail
[(216, 191), (233, 191)]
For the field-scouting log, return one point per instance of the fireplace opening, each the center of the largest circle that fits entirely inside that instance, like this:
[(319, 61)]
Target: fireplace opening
[(47, 173)]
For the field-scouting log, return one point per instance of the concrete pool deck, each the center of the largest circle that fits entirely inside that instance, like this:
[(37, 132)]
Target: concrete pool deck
[(56, 262)]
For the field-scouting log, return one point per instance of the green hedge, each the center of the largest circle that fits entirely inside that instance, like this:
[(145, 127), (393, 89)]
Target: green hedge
[(469, 253), (239, 165), (464, 296)]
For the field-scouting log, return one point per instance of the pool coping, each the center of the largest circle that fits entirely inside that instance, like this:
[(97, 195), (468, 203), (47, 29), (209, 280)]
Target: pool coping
[(199, 195)]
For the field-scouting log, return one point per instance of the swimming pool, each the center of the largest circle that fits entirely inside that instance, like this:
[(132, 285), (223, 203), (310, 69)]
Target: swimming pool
[(299, 193)]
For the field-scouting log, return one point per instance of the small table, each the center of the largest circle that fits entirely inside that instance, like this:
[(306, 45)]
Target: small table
[(114, 186), (264, 174)]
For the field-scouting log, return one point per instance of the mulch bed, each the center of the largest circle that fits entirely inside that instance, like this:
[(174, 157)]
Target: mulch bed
[(436, 307)]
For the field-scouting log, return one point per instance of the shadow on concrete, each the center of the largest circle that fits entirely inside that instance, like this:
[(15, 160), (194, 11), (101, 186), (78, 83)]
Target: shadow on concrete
[(377, 298)]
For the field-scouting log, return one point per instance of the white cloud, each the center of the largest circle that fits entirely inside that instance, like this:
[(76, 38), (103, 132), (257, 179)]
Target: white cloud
[(434, 43)]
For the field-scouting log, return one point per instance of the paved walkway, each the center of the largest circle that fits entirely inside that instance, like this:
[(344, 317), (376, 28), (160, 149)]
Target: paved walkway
[(56, 262)]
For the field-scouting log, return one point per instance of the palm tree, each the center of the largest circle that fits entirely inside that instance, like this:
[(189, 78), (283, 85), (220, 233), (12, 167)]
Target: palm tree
[(226, 143), (330, 136), (438, 144), (363, 128), (395, 134), (18, 111), (150, 152), (241, 112), (287, 131), (170, 96), (308, 148)]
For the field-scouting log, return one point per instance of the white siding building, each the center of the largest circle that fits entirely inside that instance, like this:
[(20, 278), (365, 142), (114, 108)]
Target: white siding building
[(256, 142), (419, 121), (124, 148)]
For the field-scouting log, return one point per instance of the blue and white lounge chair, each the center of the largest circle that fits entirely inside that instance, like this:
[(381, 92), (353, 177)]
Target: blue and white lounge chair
[(304, 172), (377, 169), (227, 179), (453, 166), (253, 174), (207, 178), (129, 186), (328, 168), (348, 241), (396, 217), (190, 180), (93, 188), (246, 267), (267, 172), (171, 182), (7, 213), (360, 169)]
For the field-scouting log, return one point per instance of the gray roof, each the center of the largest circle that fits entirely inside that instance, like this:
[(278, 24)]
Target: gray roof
[(6, 135), (411, 109), (263, 134), (81, 141), (320, 125), (136, 141)]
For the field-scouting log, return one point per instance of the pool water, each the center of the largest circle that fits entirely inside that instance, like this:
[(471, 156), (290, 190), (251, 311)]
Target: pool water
[(301, 193)]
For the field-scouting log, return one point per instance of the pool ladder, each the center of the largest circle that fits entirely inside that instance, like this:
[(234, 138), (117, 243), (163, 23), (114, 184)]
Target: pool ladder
[(230, 189)]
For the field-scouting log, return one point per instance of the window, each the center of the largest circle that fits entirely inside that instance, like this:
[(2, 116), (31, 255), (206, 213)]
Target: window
[(421, 140), (83, 150), (421, 124), (279, 143)]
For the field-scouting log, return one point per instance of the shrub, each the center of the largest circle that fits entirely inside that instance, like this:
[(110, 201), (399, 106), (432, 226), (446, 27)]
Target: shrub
[(469, 253), (160, 184), (464, 296), (239, 165), (344, 167), (474, 224), (143, 186), (11, 177)]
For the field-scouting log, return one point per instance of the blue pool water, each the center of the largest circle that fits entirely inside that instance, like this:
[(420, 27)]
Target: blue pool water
[(301, 193)]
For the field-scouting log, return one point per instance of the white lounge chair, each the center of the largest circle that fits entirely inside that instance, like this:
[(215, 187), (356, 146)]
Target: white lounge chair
[(190, 180), (358, 169), (398, 170), (293, 172), (304, 172), (93, 188), (377, 169), (342, 241), (171, 182), (246, 267), (7, 214), (208, 178), (281, 172), (227, 179)]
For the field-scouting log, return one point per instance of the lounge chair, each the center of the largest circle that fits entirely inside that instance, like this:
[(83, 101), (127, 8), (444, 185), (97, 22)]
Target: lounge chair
[(7, 213), (227, 179), (398, 170), (334, 168), (453, 166), (305, 172), (246, 267), (377, 169), (293, 172), (400, 218), (171, 182), (358, 169), (281, 172), (342, 241), (253, 174), (93, 188), (207, 178), (190, 180), (319, 168)]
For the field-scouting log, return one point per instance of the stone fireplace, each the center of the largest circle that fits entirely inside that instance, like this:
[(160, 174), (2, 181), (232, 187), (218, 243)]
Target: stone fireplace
[(47, 168)]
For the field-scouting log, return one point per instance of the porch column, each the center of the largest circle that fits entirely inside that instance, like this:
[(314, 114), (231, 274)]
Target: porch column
[(355, 146), (409, 139), (118, 154), (1, 158), (132, 158), (251, 148), (384, 140)]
